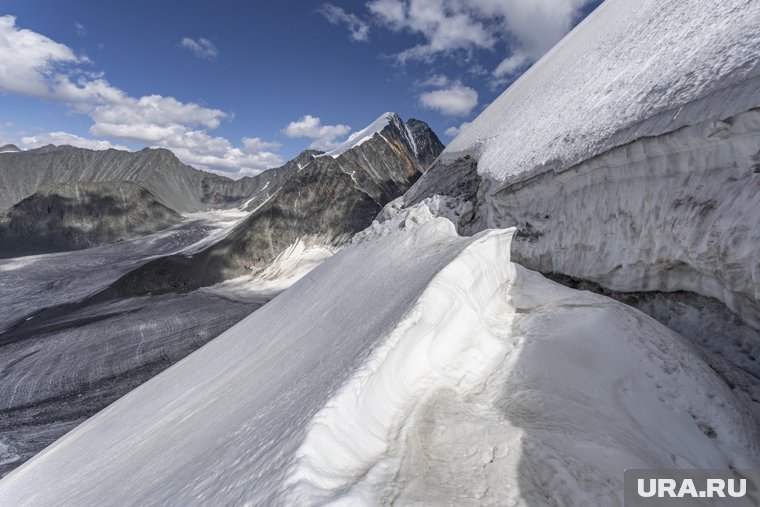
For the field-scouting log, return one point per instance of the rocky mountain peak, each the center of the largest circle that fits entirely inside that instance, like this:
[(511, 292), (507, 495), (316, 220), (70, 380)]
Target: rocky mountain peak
[(9, 148)]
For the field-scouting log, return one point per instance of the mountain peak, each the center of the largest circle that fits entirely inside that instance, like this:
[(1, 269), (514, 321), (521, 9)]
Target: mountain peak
[(366, 133), (9, 148)]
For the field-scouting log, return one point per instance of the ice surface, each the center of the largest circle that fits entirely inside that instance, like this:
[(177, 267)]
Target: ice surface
[(631, 69), (418, 366), (673, 212), (29, 284)]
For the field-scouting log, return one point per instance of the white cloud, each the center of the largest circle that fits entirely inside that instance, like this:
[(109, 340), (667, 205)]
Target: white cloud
[(198, 149), (80, 29), (324, 137), (28, 59), (527, 27), (510, 65), (201, 47), (34, 65), (455, 131), (456, 100), (358, 29), (445, 25), (59, 138)]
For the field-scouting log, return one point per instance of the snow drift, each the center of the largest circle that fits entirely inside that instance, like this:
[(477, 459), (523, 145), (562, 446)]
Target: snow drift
[(462, 376)]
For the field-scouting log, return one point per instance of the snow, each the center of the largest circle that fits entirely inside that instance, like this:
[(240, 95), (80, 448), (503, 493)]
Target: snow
[(288, 267), (414, 366), (677, 212), (631, 69), (363, 135)]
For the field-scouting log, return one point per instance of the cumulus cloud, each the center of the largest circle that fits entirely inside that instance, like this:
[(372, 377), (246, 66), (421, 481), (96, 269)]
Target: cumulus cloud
[(59, 138), (358, 29), (445, 25), (455, 100), (455, 131), (324, 137), (528, 28), (29, 61), (34, 65), (201, 47)]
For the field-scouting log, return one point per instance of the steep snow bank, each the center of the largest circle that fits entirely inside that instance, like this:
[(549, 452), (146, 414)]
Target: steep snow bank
[(631, 69), (416, 367), (673, 212)]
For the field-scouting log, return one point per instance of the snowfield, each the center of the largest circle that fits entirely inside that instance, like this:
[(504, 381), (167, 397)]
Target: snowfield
[(474, 380)]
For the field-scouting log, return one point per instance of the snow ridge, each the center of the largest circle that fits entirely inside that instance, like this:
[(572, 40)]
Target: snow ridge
[(364, 135), (443, 341)]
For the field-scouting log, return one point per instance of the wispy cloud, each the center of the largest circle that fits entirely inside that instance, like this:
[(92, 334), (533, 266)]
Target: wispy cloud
[(455, 131), (358, 29), (201, 47), (80, 29)]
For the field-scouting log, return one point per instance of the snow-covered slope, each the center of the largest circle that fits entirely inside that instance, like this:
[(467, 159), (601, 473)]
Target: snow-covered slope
[(630, 154), (631, 69), (461, 376)]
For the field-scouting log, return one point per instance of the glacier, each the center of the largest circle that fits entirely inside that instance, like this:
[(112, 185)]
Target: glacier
[(476, 380)]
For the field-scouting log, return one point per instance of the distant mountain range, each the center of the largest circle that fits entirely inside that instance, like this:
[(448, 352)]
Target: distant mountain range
[(319, 198), (44, 212)]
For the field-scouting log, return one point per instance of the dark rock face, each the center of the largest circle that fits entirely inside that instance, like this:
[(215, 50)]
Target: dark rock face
[(173, 183), (264, 185), (327, 199), (72, 216), (427, 144)]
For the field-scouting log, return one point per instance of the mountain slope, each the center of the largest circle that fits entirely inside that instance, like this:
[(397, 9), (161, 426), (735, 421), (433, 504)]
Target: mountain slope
[(264, 185), (175, 184), (72, 216), (325, 201)]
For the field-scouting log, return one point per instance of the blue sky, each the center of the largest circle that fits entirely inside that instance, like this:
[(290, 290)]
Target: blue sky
[(237, 87)]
